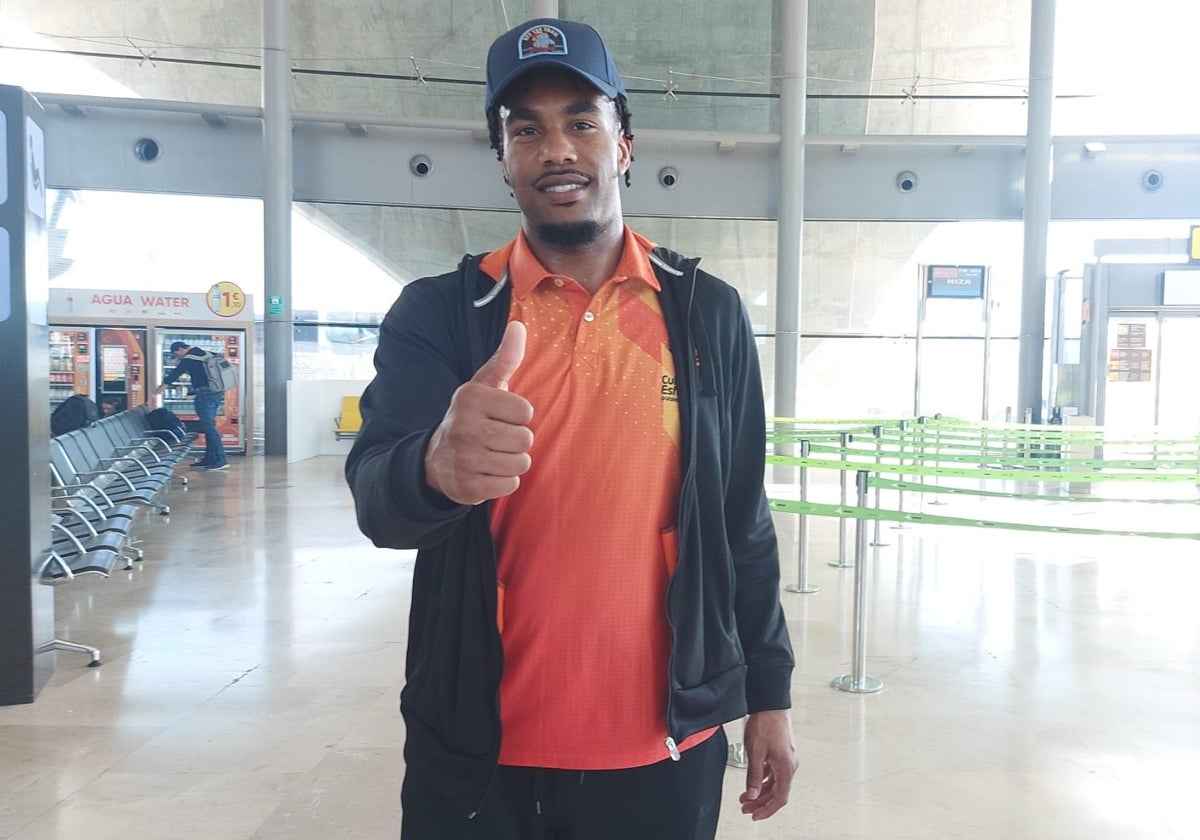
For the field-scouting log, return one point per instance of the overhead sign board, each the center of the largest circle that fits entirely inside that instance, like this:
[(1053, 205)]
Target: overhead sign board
[(217, 304)]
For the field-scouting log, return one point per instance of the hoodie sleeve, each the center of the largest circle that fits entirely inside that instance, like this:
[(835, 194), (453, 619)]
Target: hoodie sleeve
[(751, 532), (417, 370)]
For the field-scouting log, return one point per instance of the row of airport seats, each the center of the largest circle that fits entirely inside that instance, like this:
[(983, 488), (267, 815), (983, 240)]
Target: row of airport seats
[(101, 477)]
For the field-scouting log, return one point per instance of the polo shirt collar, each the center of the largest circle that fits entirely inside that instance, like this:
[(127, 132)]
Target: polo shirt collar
[(526, 272)]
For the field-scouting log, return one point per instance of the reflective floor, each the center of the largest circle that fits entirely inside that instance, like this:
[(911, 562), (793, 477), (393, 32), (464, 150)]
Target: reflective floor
[(1034, 686)]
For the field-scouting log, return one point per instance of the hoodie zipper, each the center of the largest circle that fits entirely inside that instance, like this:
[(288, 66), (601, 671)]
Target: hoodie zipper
[(693, 377)]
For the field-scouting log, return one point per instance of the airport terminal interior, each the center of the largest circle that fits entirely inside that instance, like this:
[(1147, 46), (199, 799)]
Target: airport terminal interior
[(984, 470)]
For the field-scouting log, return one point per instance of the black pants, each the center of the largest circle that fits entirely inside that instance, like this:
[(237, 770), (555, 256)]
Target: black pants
[(670, 800)]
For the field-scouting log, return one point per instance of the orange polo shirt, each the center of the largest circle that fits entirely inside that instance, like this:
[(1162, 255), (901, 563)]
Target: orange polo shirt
[(587, 544)]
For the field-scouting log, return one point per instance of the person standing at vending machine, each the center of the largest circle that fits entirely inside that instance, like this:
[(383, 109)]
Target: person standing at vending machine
[(207, 401)]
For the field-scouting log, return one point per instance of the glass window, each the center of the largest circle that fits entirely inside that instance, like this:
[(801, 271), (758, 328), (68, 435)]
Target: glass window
[(930, 68), (180, 51), (146, 242), (1126, 73)]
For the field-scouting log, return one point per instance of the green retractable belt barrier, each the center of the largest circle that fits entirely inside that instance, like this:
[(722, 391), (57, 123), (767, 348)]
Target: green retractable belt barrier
[(818, 509), (898, 454), (1008, 474)]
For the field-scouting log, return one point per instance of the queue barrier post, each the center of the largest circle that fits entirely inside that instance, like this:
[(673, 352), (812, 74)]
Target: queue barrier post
[(857, 681), (877, 431), (937, 459), (900, 526), (802, 586), (919, 435), (843, 524)]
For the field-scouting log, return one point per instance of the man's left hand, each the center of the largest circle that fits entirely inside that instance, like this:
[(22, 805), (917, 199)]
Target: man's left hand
[(771, 754)]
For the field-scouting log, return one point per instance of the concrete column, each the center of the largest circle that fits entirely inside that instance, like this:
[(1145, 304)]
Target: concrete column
[(1037, 210), (543, 9), (790, 248), (277, 219)]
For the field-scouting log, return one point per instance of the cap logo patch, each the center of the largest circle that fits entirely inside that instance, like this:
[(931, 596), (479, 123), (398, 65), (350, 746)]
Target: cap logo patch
[(541, 40)]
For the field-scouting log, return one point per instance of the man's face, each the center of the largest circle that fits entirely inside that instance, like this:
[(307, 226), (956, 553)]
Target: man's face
[(179, 352), (563, 155)]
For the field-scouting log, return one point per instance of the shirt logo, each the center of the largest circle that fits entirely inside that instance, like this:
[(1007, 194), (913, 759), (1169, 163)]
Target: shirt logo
[(670, 392), (541, 40)]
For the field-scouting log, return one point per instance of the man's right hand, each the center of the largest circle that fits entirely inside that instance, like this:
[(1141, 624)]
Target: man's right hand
[(481, 448)]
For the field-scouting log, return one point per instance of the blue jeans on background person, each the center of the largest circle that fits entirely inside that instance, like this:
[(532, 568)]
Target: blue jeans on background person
[(206, 412)]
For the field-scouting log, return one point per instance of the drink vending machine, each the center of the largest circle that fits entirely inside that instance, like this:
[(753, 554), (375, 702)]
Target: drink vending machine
[(178, 397), (114, 348)]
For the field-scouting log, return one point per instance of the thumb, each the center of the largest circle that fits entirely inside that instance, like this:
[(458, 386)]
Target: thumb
[(497, 370), (754, 777)]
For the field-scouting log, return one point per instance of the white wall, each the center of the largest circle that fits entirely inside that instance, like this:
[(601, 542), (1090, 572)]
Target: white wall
[(312, 407)]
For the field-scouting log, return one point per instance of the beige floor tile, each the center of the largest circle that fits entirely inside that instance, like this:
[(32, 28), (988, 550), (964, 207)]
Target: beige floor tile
[(1035, 686)]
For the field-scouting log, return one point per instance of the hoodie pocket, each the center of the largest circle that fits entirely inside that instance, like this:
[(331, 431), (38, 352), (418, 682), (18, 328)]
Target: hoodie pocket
[(670, 546)]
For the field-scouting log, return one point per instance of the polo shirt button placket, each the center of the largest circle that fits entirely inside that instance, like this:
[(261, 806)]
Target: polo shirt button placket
[(585, 347)]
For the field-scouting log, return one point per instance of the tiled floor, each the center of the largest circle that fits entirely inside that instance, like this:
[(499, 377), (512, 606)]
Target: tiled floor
[(1034, 686)]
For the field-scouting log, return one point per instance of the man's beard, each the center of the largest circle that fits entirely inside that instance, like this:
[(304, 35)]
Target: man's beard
[(569, 234)]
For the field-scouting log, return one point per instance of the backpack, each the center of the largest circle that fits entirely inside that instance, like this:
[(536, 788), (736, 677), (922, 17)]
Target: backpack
[(221, 375), (75, 412), (163, 419)]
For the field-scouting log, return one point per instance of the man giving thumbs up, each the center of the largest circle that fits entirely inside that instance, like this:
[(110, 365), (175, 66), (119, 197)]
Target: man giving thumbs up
[(570, 430), (481, 449)]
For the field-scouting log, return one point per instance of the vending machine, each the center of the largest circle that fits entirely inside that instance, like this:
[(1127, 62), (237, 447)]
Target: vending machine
[(107, 364), (114, 347), (121, 368), (70, 364), (228, 343)]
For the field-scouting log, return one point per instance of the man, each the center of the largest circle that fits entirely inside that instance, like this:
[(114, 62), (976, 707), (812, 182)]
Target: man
[(207, 401), (570, 430)]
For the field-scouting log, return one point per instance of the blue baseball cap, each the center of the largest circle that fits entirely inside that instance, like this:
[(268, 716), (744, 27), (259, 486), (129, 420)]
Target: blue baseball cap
[(550, 42), (177, 345)]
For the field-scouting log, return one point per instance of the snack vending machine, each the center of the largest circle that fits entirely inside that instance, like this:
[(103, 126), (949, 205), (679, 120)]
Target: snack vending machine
[(107, 364), (178, 397)]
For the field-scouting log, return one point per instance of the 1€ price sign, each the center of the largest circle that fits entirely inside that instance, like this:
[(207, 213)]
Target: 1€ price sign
[(226, 299)]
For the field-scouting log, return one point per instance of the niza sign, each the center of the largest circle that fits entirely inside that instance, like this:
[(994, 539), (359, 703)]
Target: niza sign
[(955, 281)]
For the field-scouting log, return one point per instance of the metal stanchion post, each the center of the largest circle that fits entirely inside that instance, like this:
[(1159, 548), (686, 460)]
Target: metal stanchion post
[(877, 431), (802, 585), (857, 681), (919, 453), (843, 522), (900, 526), (937, 459)]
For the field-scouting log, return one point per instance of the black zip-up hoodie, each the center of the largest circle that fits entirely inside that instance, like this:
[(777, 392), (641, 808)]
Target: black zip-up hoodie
[(730, 653)]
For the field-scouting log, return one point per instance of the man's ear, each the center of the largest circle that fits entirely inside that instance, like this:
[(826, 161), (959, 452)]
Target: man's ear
[(624, 153)]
